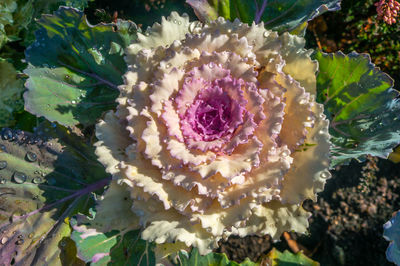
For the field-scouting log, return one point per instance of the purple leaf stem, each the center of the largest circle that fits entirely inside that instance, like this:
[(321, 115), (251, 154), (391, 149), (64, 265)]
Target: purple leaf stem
[(79, 193), (260, 11)]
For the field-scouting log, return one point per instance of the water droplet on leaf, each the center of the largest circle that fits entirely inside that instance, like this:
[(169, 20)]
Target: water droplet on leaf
[(19, 177), (4, 240), (31, 157), (3, 148), (7, 134), (325, 175), (37, 180)]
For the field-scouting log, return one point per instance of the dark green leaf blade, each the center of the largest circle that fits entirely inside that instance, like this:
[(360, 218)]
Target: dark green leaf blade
[(74, 67), (11, 88), (279, 15), (360, 103), (42, 184), (195, 259), (117, 247), (286, 258)]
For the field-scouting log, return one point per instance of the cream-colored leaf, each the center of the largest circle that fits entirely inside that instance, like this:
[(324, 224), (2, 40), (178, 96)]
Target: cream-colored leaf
[(309, 172), (175, 27)]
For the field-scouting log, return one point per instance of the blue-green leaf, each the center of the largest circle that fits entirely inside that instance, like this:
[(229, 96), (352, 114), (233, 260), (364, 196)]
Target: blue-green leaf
[(278, 15), (360, 103), (392, 234), (116, 247), (74, 67), (213, 259), (11, 88), (45, 178)]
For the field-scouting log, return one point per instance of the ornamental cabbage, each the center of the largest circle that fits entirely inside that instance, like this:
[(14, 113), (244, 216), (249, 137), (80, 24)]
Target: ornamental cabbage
[(217, 132)]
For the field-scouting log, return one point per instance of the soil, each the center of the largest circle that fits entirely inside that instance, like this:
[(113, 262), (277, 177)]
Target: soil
[(346, 225)]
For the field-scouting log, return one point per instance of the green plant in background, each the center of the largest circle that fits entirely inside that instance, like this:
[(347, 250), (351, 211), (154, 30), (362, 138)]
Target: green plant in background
[(50, 181)]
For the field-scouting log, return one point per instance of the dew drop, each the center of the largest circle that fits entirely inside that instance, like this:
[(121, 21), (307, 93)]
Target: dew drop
[(31, 157), (248, 160), (179, 22), (4, 240), (3, 148), (195, 27), (3, 164), (285, 153), (266, 34), (168, 65), (325, 175), (7, 134), (175, 21), (19, 241), (309, 118), (73, 102), (19, 177), (30, 235), (37, 180)]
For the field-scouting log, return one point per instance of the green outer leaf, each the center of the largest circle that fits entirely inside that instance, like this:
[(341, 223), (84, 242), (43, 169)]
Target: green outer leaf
[(115, 247), (287, 258), (7, 7), (35, 208), (212, 259), (278, 15), (74, 67), (11, 89), (359, 102)]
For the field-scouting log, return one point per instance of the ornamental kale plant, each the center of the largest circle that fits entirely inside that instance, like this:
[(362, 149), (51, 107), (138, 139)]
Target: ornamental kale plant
[(153, 145)]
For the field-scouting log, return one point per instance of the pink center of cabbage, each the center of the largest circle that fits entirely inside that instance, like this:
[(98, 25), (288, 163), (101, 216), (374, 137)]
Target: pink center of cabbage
[(212, 114)]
